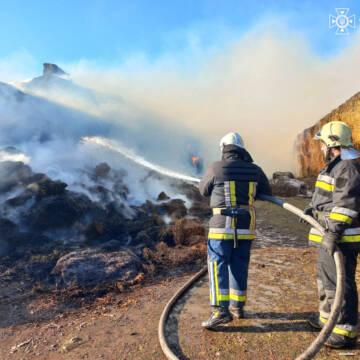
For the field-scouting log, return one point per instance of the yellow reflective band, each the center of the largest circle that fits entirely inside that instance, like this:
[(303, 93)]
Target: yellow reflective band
[(251, 193), (341, 217), (235, 297), (316, 238), (216, 314), (324, 186), (350, 334), (224, 297), (350, 238), (217, 211), (252, 219), (231, 236), (232, 193), (216, 283), (344, 239), (345, 211)]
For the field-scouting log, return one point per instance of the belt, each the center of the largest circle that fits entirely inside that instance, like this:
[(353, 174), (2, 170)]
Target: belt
[(217, 211)]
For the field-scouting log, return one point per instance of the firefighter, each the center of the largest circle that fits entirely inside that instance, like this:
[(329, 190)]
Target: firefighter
[(335, 204), (232, 183)]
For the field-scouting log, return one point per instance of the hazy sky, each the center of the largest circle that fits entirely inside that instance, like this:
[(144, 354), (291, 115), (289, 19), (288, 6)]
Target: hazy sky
[(113, 30)]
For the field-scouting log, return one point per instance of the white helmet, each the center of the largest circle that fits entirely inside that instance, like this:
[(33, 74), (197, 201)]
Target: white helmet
[(232, 138)]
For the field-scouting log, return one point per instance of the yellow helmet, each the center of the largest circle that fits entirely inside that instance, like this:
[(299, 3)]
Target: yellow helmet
[(335, 133)]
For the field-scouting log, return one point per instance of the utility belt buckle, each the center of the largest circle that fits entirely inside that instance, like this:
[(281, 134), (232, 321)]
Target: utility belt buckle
[(234, 212)]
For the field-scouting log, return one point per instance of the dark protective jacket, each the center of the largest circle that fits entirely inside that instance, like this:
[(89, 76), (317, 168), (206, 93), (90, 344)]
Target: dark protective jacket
[(337, 198), (233, 182)]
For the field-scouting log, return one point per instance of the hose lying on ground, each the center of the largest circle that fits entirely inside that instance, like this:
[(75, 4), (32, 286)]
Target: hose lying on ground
[(164, 346), (318, 343)]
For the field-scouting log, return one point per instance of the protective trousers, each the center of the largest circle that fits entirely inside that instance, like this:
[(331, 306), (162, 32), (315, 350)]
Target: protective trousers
[(228, 272), (326, 279)]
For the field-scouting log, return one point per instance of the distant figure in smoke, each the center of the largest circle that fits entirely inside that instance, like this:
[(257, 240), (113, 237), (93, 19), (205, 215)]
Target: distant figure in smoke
[(233, 184), (335, 204), (194, 160)]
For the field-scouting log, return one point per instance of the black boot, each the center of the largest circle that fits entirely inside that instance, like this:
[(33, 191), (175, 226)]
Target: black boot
[(338, 341), (219, 316), (237, 312), (316, 323)]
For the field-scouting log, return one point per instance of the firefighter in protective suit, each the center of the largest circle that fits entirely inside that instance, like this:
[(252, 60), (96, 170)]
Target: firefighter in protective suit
[(335, 204), (232, 183)]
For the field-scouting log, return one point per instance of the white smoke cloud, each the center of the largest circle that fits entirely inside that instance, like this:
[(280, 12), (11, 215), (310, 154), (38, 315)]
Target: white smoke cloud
[(47, 136), (266, 86), (6, 156), (88, 112)]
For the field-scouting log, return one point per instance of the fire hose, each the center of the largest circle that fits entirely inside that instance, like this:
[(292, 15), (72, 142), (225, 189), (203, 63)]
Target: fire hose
[(318, 343), (339, 262)]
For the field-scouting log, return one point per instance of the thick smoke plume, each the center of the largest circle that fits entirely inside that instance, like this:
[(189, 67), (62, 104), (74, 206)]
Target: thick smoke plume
[(266, 86), (47, 135)]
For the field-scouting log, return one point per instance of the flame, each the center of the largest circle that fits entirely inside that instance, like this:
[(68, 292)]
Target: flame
[(194, 159)]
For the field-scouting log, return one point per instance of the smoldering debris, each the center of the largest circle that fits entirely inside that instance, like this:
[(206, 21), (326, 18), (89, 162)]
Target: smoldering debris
[(42, 217)]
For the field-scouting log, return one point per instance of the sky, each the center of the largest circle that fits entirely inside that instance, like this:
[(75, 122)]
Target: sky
[(110, 31), (267, 69)]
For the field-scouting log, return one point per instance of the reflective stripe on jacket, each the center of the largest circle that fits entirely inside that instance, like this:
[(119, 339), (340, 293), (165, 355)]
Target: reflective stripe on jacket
[(233, 182), (337, 192)]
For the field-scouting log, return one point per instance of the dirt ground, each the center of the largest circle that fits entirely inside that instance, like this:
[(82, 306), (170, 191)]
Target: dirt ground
[(281, 297), (123, 325)]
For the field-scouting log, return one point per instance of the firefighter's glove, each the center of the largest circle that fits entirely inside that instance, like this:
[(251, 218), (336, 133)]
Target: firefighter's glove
[(328, 242), (307, 211)]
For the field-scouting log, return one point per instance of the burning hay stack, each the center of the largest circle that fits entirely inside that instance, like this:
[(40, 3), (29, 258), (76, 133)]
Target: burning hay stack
[(309, 159)]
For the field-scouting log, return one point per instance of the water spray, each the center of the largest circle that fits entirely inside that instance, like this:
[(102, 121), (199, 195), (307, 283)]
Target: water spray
[(116, 147)]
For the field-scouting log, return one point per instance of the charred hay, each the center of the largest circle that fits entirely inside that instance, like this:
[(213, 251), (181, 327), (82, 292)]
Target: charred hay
[(56, 237)]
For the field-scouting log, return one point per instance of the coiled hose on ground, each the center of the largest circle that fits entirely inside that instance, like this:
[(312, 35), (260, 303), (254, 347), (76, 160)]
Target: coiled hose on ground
[(318, 343)]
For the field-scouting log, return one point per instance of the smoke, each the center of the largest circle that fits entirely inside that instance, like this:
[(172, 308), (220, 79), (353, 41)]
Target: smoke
[(6, 156), (265, 85), (110, 115), (268, 84), (47, 136)]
